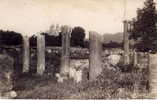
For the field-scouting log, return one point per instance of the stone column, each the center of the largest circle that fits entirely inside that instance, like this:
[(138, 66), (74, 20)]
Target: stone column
[(148, 72), (126, 43), (65, 56), (95, 58), (40, 54), (134, 58), (7, 72), (153, 75), (26, 54)]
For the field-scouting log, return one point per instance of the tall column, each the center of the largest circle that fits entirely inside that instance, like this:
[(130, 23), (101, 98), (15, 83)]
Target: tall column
[(126, 43), (134, 58), (95, 58), (148, 72), (26, 54), (153, 74), (65, 57), (40, 54)]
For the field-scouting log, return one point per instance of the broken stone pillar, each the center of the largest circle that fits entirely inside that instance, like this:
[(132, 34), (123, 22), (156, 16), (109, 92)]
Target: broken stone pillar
[(40, 54), (95, 58), (65, 56), (153, 74), (6, 75), (134, 58), (148, 72), (126, 43), (26, 54)]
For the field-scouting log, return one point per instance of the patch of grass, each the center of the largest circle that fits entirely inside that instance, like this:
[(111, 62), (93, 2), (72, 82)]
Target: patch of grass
[(110, 84)]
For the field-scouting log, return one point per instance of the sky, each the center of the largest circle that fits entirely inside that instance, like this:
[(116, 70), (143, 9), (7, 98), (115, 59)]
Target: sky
[(33, 16)]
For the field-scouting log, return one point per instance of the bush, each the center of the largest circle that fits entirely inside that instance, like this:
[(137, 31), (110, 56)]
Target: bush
[(10, 38), (125, 68)]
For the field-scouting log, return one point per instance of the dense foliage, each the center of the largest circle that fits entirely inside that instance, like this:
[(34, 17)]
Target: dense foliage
[(76, 39), (78, 36), (10, 38), (144, 31), (112, 44)]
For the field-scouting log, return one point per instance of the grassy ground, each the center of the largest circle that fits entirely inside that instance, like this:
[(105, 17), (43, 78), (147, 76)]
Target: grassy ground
[(108, 85), (33, 87)]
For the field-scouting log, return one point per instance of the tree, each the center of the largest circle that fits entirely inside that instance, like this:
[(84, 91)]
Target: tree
[(59, 39), (77, 36), (53, 40), (144, 30), (10, 38), (50, 40)]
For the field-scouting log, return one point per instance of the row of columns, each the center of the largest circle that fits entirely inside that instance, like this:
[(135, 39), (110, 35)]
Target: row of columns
[(94, 59), (95, 51), (40, 54)]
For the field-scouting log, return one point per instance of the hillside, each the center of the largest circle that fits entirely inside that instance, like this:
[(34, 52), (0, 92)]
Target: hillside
[(118, 37)]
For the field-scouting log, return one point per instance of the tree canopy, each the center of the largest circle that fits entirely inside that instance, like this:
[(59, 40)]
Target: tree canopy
[(51, 39), (10, 38), (144, 27), (77, 36)]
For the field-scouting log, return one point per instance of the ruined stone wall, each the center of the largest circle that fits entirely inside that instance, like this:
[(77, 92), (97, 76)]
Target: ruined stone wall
[(77, 55), (79, 59)]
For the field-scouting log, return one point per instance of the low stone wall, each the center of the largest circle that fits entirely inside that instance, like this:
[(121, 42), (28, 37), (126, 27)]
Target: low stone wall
[(53, 55), (79, 60), (79, 63), (75, 53)]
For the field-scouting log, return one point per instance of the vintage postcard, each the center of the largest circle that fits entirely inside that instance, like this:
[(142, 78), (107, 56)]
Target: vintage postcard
[(78, 49)]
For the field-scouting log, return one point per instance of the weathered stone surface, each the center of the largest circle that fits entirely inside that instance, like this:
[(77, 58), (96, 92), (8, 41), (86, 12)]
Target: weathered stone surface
[(75, 74), (126, 43), (79, 63), (78, 69), (6, 74), (26, 54), (65, 58), (95, 65), (60, 77), (40, 54), (114, 59), (8, 95), (134, 58), (153, 73)]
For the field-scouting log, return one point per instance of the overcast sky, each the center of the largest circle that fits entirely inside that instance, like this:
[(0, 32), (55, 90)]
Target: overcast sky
[(32, 16)]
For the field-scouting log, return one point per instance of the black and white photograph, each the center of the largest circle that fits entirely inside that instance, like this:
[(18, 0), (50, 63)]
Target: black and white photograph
[(78, 49)]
